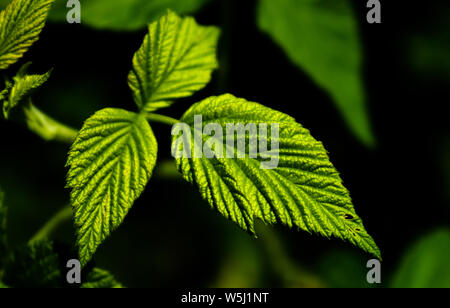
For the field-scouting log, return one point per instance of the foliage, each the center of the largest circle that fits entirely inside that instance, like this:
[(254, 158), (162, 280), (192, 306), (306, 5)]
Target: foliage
[(425, 264), (113, 156)]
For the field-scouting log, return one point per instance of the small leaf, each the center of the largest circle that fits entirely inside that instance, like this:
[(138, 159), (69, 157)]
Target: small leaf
[(322, 38), (110, 162), (20, 25), (175, 60), (425, 265), (102, 279), (20, 90), (303, 191)]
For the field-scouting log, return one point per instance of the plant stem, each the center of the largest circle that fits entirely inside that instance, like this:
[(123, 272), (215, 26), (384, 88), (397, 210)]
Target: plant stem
[(64, 215), (48, 128), (158, 118)]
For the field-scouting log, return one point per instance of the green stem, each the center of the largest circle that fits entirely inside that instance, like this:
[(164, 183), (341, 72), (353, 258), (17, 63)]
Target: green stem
[(64, 215), (158, 118), (48, 128)]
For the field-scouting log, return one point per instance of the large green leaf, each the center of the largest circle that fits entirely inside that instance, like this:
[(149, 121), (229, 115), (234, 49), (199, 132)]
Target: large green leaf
[(175, 60), (321, 37), (425, 265), (303, 191), (20, 25), (102, 279), (124, 15), (110, 163)]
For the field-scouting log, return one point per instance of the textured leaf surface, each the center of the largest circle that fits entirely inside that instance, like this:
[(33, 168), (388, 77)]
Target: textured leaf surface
[(304, 191), (102, 279), (175, 60), (20, 25), (321, 37), (425, 264), (110, 163), (35, 265), (20, 89), (124, 15)]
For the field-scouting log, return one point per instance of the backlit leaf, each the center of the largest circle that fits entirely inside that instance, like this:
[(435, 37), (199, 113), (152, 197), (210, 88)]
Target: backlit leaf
[(110, 163), (175, 60), (20, 25), (304, 190)]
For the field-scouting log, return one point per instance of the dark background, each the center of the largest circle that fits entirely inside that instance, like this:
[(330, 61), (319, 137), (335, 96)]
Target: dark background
[(171, 237)]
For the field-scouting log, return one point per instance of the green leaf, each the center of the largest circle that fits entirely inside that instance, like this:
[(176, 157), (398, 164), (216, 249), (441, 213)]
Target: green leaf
[(321, 37), (20, 90), (425, 265), (35, 265), (124, 15), (175, 60), (20, 25), (3, 286), (110, 162), (102, 279), (304, 191)]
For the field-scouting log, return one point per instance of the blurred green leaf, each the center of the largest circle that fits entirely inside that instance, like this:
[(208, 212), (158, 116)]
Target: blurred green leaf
[(34, 265), (40, 265), (124, 15), (321, 37), (429, 47), (425, 265)]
